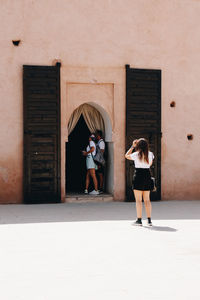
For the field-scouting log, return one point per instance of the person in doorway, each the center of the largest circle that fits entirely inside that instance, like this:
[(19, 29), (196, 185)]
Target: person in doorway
[(91, 166), (100, 170), (143, 160)]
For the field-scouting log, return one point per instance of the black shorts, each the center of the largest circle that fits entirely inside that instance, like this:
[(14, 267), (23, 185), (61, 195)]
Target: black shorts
[(100, 169), (142, 180)]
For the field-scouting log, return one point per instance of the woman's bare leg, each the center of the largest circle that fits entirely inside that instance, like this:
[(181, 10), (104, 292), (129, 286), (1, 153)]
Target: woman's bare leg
[(101, 181), (94, 178), (87, 180), (138, 199), (147, 202)]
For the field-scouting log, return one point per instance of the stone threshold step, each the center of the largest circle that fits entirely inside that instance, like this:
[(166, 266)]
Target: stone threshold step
[(82, 198)]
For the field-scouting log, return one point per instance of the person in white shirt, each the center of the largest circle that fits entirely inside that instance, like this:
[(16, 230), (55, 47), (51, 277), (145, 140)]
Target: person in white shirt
[(143, 160), (91, 166), (100, 170)]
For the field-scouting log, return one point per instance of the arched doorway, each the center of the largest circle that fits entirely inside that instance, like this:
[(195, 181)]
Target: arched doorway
[(85, 119)]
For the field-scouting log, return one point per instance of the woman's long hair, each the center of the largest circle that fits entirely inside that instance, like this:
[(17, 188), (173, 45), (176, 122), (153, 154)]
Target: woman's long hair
[(143, 149)]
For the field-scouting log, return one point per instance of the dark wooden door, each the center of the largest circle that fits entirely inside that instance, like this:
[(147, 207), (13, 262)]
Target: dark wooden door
[(143, 119), (41, 91)]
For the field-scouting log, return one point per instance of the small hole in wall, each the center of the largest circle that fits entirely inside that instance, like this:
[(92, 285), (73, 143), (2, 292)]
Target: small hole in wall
[(190, 137), (16, 42), (173, 104)]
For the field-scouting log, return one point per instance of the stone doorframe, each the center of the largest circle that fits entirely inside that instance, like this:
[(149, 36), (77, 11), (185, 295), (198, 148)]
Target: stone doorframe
[(108, 97)]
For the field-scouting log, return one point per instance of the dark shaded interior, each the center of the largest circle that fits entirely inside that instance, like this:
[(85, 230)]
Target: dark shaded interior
[(75, 162)]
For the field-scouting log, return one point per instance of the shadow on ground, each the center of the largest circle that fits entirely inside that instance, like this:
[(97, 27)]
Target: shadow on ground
[(162, 228), (74, 212)]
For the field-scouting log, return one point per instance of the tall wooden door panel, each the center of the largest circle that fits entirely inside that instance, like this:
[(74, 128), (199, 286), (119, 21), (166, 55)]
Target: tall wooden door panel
[(143, 119), (41, 86)]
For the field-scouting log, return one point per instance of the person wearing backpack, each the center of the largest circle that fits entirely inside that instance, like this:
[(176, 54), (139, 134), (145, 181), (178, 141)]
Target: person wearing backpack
[(101, 167)]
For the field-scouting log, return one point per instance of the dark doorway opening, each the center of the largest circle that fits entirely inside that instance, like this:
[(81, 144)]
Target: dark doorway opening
[(75, 162)]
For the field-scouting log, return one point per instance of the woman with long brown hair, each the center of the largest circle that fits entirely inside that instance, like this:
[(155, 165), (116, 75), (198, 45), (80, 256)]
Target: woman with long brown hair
[(143, 160)]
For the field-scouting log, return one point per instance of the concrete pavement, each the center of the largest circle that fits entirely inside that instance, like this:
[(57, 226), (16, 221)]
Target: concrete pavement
[(91, 251)]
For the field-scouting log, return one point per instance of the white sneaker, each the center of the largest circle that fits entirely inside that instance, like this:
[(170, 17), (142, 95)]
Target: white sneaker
[(94, 192), (86, 191)]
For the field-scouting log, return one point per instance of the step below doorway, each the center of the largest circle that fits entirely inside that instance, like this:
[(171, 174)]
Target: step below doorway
[(82, 198)]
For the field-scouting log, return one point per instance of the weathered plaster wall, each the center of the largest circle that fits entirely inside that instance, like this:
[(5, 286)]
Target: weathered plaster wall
[(102, 36)]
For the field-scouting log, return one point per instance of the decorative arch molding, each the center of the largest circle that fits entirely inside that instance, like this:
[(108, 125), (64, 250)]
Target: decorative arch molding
[(106, 119), (109, 180), (98, 95)]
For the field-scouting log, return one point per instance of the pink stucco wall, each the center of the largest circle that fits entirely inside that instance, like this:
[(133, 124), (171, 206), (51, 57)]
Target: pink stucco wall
[(94, 40)]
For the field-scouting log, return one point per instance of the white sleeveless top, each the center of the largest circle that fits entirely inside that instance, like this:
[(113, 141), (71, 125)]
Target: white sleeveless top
[(141, 163), (91, 144)]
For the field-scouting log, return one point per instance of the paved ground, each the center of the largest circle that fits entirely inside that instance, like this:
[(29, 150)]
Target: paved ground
[(91, 252)]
